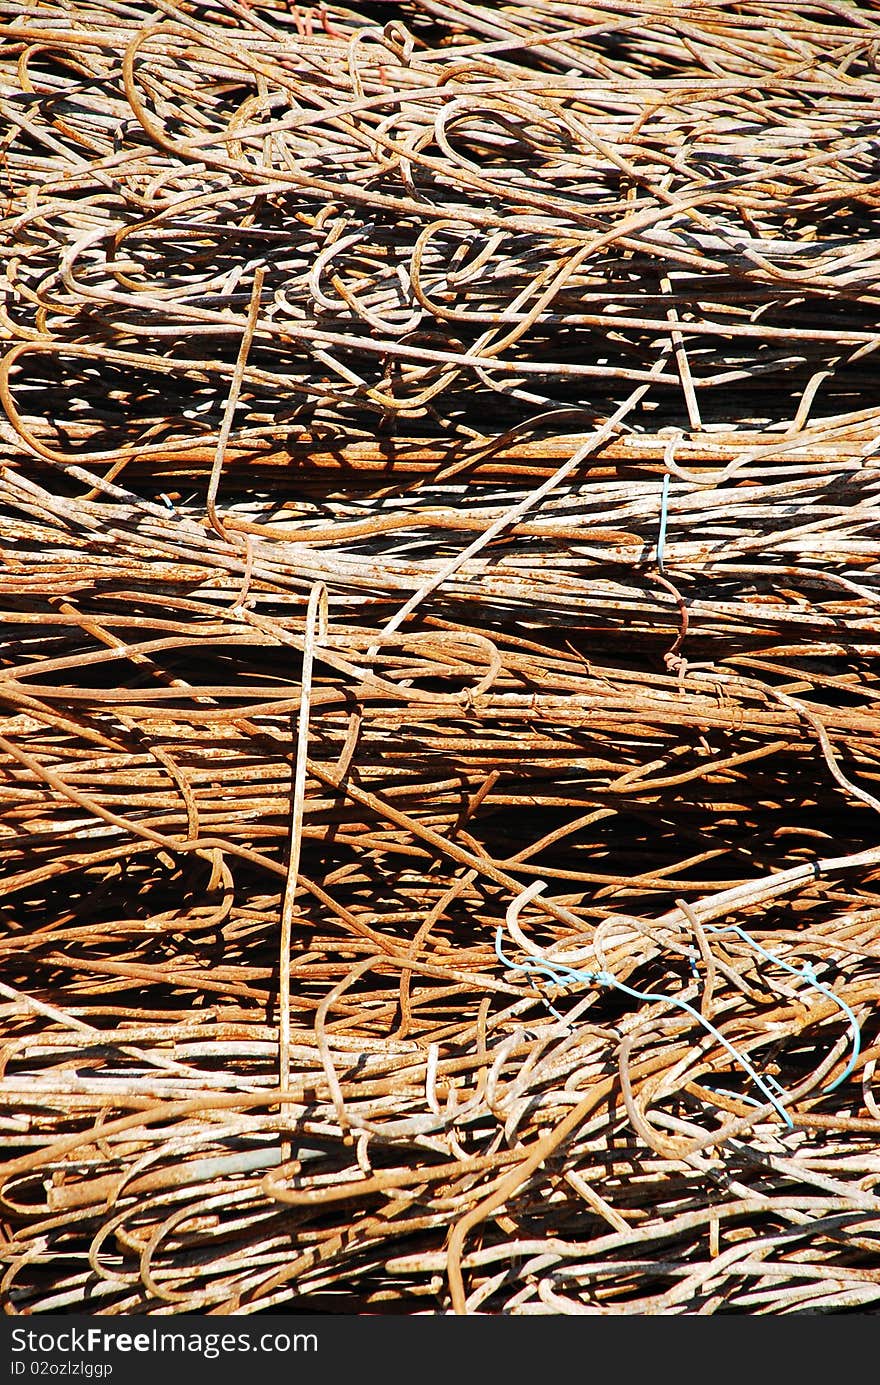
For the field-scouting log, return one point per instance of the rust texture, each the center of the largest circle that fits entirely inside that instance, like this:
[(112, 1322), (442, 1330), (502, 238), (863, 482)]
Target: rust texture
[(439, 751)]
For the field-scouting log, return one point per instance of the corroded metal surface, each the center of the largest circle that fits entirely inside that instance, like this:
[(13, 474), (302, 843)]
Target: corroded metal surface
[(438, 680)]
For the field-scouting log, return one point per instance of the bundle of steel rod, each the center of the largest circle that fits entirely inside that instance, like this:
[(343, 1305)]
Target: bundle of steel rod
[(439, 754)]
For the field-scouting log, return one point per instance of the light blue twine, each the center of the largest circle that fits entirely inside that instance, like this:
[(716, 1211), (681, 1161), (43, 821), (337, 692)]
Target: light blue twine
[(808, 974), (563, 975), (664, 515)]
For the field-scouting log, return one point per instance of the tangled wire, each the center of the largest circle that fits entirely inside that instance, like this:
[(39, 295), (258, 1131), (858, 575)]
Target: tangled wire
[(439, 750)]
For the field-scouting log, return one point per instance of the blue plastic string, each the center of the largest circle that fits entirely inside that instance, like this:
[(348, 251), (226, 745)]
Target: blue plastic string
[(661, 536), (563, 975), (560, 973), (804, 973)]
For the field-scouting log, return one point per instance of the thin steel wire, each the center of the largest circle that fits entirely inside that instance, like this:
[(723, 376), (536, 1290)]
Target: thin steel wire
[(438, 486)]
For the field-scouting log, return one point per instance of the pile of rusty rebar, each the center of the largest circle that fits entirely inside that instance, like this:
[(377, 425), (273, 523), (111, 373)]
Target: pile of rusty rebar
[(439, 738)]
